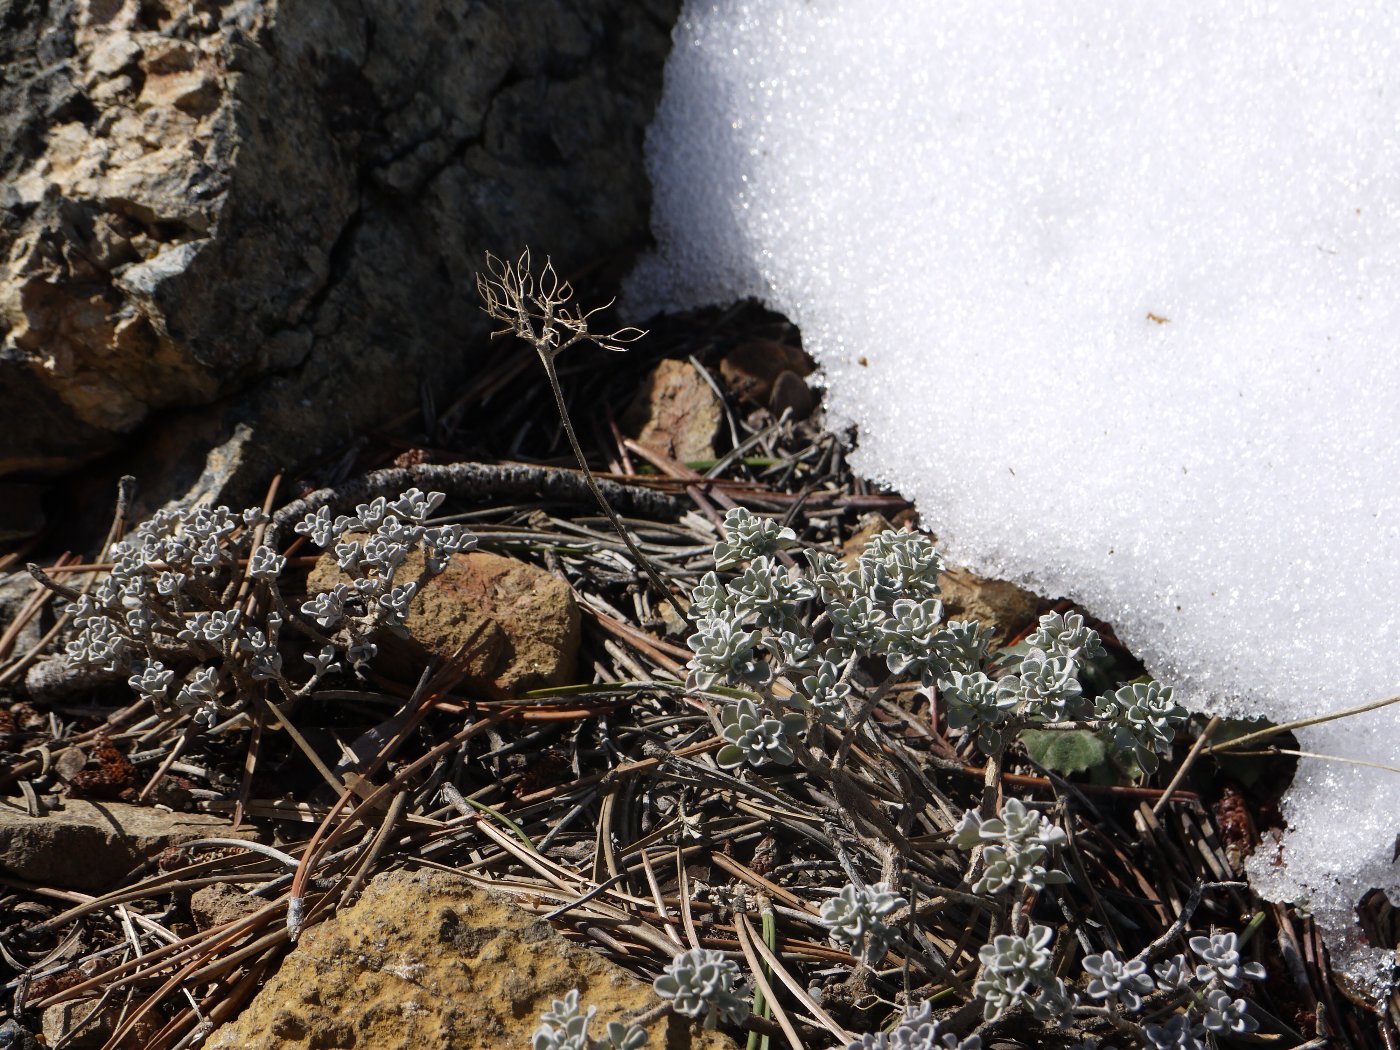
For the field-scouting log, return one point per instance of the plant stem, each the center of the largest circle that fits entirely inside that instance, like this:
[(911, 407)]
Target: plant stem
[(655, 578), (1288, 727)]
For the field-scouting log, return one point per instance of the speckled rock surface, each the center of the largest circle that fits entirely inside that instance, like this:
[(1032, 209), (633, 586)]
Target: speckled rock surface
[(427, 961)]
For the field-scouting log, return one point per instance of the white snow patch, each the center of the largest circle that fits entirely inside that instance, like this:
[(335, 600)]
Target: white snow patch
[(990, 204)]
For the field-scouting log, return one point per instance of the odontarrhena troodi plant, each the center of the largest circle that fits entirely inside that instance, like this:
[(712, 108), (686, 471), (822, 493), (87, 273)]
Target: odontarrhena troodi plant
[(193, 608), (795, 648)]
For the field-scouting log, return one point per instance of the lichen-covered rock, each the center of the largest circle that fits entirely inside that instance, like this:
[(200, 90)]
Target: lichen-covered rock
[(269, 212), (515, 625), (428, 961)]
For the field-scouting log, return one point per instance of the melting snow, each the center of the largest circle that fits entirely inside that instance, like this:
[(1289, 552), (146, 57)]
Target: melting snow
[(1114, 293)]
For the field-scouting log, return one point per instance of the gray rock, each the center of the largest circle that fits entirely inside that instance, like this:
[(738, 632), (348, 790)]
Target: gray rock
[(268, 213), (13, 1036), (90, 845), (20, 513), (62, 1019)]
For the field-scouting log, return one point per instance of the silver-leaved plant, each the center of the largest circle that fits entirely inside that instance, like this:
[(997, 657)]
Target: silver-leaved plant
[(192, 606)]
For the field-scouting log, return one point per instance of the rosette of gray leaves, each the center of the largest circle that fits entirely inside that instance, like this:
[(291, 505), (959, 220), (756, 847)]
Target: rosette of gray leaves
[(755, 737), (725, 654), (907, 637), (894, 579), (162, 601), (981, 706), (153, 682), (564, 1027), (747, 536), (825, 693), (793, 650), (829, 575), (856, 920), (897, 565), (1173, 974), (1119, 981), (1178, 1032), (1048, 686), (857, 626), (1225, 1015), (1016, 968), (175, 595), (768, 594), (1065, 635), (917, 1031), (1143, 719), (755, 627), (961, 647), (1220, 964), (702, 981), (710, 599), (1017, 844), (163, 570)]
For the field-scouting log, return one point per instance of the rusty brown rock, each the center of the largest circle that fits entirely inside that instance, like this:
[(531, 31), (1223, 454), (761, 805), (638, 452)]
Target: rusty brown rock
[(429, 961), (676, 412), (517, 625), (998, 604), (751, 368)]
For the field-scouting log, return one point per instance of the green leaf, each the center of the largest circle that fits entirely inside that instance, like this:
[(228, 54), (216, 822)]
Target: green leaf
[(1064, 751)]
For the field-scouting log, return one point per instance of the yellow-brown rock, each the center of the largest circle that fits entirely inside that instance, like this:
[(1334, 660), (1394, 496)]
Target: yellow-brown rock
[(429, 961), (517, 625)]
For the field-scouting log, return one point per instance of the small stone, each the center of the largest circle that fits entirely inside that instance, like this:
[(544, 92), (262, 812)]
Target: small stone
[(61, 1018), (791, 393), (91, 845), (13, 1036), (676, 412), (751, 369), (221, 903)]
